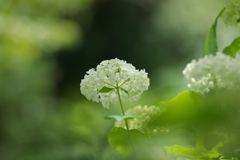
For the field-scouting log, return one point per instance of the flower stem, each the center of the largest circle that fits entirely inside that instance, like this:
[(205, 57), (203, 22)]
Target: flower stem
[(126, 122), (125, 82)]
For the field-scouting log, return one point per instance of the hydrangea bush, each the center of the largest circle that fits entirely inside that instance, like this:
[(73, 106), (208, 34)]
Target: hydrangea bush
[(213, 71), (199, 124)]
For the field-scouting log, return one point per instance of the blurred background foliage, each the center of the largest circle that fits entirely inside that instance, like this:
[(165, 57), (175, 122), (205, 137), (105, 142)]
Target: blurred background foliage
[(46, 47)]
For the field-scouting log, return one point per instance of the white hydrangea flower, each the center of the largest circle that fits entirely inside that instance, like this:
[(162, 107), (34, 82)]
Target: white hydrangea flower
[(101, 84), (213, 71), (148, 114)]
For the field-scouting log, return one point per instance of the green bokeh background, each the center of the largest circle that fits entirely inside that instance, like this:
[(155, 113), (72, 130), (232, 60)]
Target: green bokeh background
[(46, 47)]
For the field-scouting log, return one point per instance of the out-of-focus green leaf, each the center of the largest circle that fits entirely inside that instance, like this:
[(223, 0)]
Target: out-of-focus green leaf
[(233, 48), (119, 117), (184, 107), (211, 46), (232, 154), (105, 89), (185, 98), (190, 152), (191, 108), (118, 138)]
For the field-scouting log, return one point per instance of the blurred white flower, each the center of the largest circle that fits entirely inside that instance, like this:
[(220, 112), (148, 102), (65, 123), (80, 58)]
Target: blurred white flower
[(144, 124), (213, 71), (101, 84), (231, 14)]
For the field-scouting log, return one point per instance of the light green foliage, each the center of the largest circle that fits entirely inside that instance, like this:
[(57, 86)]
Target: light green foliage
[(233, 48), (35, 8), (211, 45), (190, 152), (185, 107), (211, 119), (31, 32), (30, 28), (105, 90), (118, 139)]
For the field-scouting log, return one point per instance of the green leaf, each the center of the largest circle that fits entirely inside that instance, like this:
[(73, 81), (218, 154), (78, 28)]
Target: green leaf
[(105, 89), (119, 117), (211, 46), (186, 98), (124, 90), (232, 153), (190, 152), (190, 107), (184, 107), (233, 48), (118, 138)]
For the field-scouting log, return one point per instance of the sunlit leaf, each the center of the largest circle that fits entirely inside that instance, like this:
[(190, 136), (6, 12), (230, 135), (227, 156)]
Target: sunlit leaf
[(233, 48), (105, 89), (118, 138), (190, 108), (118, 117), (211, 46), (190, 152), (184, 107)]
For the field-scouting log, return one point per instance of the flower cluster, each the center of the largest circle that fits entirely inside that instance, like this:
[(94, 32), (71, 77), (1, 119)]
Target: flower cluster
[(231, 14), (144, 124), (213, 71), (112, 77)]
